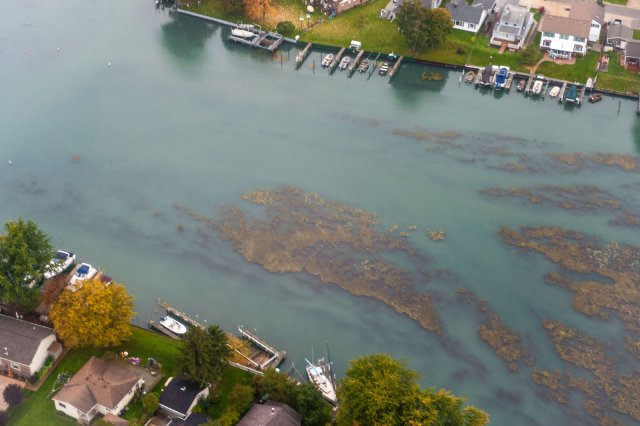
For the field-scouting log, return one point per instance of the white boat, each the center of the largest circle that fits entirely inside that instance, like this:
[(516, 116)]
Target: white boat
[(238, 32), (326, 61), (537, 87), (173, 325), (344, 63), (83, 273), (60, 262), (384, 69), (554, 91), (318, 376)]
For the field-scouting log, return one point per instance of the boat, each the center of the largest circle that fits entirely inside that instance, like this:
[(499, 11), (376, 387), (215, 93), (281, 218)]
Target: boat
[(501, 78), (537, 87), (596, 97), (572, 94), (320, 376), (487, 76), (84, 272), (239, 32), (326, 61), (521, 85), (61, 261), (344, 63), (172, 325), (384, 68), (554, 91), (364, 65), (468, 78)]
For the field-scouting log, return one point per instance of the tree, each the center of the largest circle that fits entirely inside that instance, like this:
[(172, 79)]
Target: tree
[(93, 315), (378, 389), (438, 26), (204, 354), (286, 28), (234, 7), (25, 252), (239, 401), (422, 27), (278, 386), (312, 407), (150, 403), (4, 420), (257, 9), (13, 394)]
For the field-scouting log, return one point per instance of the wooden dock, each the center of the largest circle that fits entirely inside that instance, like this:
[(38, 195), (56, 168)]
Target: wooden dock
[(527, 88), (273, 357), (581, 93), (180, 315), (158, 327), (395, 67), (638, 111), (509, 82), (356, 62), (302, 55), (562, 90), (336, 60)]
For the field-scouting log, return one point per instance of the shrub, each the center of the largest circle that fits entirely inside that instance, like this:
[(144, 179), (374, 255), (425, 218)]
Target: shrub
[(286, 28), (150, 403), (13, 394), (3, 418)]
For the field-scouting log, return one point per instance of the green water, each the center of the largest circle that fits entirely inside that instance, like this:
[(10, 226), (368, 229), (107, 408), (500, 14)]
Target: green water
[(184, 118)]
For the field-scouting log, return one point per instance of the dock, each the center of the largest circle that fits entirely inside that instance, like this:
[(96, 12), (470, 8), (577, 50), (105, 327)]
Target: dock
[(158, 327), (336, 60), (356, 62), (509, 82), (581, 93), (302, 55), (527, 88), (263, 39), (638, 111), (180, 315), (562, 90), (266, 356), (395, 68)]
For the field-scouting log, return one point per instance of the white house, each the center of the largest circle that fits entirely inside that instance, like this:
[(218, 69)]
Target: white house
[(591, 12), (564, 37), (98, 387), (180, 396), (465, 17), (512, 27), (24, 346)]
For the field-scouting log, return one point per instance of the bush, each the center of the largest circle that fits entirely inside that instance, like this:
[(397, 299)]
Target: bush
[(3, 418), (150, 403), (286, 28), (13, 394)]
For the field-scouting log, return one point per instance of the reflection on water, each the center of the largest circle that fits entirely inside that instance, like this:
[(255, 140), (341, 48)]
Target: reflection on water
[(185, 39)]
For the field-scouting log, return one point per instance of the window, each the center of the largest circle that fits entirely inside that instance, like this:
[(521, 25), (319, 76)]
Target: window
[(579, 39), (457, 23), (546, 43), (564, 37), (15, 365), (472, 26), (60, 404), (595, 25), (577, 48), (550, 35)]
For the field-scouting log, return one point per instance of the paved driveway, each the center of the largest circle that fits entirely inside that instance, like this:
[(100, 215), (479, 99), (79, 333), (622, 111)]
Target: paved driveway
[(4, 382)]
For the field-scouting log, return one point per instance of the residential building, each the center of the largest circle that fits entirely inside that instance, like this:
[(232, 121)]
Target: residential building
[(465, 17), (618, 35), (632, 53), (180, 396), (24, 346), (564, 37), (271, 413), (512, 27), (99, 387), (591, 12), (335, 7)]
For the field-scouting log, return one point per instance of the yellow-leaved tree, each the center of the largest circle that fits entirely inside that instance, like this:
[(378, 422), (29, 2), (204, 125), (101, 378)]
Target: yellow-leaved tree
[(93, 315)]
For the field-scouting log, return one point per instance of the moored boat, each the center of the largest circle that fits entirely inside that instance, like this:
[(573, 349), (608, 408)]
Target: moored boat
[(537, 87), (239, 32), (173, 325), (596, 97), (554, 91), (84, 272), (572, 94), (344, 63), (469, 76), (501, 78), (384, 69), (61, 261), (521, 85), (326, 61), (320, 376), (364, 65), (487, 76)]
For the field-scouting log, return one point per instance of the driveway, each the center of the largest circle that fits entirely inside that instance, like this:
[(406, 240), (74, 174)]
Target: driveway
[(629, 14), (4, 382)]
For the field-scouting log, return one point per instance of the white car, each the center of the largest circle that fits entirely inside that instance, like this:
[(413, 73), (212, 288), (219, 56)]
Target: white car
[(60, 262), (84, 272)]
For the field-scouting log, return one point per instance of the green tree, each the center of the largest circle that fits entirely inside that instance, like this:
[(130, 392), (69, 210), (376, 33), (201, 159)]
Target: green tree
[(93, 315), (25, 252), (378, 389), (150, 403), (312, 407), (286, 28), (234, 7), (438, 26), (204, 354), (239, 400), (278, 386), (422, 27), (530, 54)]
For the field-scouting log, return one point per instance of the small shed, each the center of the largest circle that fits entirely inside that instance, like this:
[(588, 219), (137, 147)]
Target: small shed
[(355, 45)]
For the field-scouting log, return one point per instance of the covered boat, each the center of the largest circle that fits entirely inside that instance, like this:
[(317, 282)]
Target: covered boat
[(173, 325), (487, 76), (501, 78), (572, 94), (320, 377)]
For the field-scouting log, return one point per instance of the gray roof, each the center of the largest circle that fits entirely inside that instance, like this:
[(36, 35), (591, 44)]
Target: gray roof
[(567, 26), (515, 16), (20, 339), (271, 413), (633, 49), (586, 10), (485, 4), (461, 11), (617, 30)]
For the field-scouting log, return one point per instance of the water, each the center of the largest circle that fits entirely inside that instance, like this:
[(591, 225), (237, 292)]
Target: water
[(184, 118)]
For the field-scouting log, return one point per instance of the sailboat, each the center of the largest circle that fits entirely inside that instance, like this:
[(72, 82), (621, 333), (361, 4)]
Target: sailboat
[(320, 375)]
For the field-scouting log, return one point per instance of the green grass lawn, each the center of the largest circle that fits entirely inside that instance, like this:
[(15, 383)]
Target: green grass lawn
[(621, 2), (230, 377), (617, 78), (636, 34), (38, 408), (583, 68)]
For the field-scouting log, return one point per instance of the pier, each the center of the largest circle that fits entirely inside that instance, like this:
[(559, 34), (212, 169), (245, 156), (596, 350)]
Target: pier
[(638, 111), (509, 82), (336, 60), (266, 356), (581, 93), (356, 62), (180, 315), (562, 90), (302, 55), (527, 88), (395, 68)]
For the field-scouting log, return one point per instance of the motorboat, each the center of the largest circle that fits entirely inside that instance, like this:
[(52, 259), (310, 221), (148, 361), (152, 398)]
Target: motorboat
[(572, 94), (364, 65), (344, 63), (501, 78), (84, 272), (596, 97), (61, 261), (239, 32), (384, 68), (537, 87), (326, 61), (487, 76), (468, 78), (554, 91), (521, 85), (320, 376), (173, 325)]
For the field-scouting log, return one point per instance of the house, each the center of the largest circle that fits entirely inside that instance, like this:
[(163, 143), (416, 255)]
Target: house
[(180, 396), (618, 35), (193, 419), (99, 387), (24, 346), (591, 12), (465, 17), (271, 413), (335, 7), (632, 53), (564, 37), (512, 27)]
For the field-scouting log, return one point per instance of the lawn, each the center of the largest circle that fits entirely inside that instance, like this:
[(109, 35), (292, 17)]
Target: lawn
[(230, 377), (621, 2), (579, 72), (282, 10), (617, 78), (636, 34), (38, 408)]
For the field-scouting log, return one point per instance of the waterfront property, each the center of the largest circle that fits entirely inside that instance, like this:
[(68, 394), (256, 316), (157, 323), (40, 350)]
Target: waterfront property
[(99, 387), (271, 413), (632, 54), (469, 17), (180, 396), (618, 35), (25, 346), (513, 26), (590, 12)]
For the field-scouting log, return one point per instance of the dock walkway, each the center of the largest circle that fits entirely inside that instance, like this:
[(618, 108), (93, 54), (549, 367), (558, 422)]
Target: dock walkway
[(336, 60), (302, 55), (395, 68), (356, 62), (180, 315)]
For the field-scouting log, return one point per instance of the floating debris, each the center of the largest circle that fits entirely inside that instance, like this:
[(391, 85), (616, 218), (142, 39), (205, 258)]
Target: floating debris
[(75, 158), (436, 235), (628, 163)]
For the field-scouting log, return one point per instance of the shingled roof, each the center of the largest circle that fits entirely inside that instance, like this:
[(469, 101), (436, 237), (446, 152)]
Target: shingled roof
[(633, 49), (97, 382), (567, 26), (618, 30), (180, 394), (586, 10), (19, 340), (461, 11), (271, 413)]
